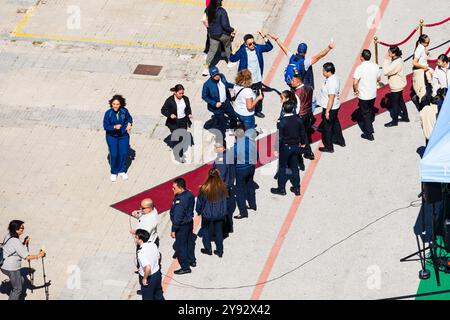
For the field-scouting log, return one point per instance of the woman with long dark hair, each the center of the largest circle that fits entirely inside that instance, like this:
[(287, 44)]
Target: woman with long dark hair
[(14, 251), (394, 69), (117, 123), (219, 31), (177, 109), (212, 206)]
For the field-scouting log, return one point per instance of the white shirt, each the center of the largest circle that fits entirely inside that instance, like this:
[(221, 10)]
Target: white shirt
[(13, 252), (181, 106), (331, 86), (148, 255), (367, 73), (149, 223), (222, 91), (253, 65), (421, 54), (441, 79), (240, 105)]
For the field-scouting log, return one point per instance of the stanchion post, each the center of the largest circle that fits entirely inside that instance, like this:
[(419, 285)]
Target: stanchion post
[(375, 42), (421, 26)]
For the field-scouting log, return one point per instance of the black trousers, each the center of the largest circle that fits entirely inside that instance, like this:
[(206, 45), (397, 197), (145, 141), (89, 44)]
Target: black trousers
[(397, 106), (257, 89), (245, 190), (153, 290), (211, 228), (368, 117), (289, 158), (332, 129), (182, 144), (308, 122), (185, 245)]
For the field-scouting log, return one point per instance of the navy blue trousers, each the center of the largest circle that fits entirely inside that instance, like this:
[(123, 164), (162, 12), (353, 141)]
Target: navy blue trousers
[(118, 152)]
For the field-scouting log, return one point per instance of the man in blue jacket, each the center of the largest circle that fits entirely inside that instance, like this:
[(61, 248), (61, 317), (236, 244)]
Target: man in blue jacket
[(250, 56), (218, 98), (181, 215)]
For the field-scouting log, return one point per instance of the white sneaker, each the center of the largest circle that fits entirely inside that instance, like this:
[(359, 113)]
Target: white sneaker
[(205, 72), (114, 177), (123, 175)]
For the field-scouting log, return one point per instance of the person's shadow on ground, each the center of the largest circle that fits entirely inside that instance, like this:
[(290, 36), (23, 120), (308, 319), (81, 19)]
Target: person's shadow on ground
[(6, 287), (130, 158), (421, 151)]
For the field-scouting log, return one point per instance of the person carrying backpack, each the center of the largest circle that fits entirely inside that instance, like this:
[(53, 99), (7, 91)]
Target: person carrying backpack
[(212, 206), (13, 252), (299, 63)]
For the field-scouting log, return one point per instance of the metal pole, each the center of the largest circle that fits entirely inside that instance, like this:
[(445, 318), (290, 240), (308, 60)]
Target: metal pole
[(375, 41), (45, 280), (421, 26), (31, 272)]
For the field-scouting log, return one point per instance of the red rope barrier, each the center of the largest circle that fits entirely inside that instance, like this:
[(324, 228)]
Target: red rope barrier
[(401, 43), (437, 23), (435, 60)]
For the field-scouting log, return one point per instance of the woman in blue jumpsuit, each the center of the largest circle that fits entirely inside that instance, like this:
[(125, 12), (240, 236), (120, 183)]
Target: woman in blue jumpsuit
[(117, 124)]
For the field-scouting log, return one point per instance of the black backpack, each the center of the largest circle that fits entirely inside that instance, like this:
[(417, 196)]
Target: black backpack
[(2, 260)]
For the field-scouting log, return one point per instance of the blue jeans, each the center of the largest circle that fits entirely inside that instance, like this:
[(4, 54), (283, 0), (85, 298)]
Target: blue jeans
[(248, 121), (212, 228), (118, 152), (245, 190)]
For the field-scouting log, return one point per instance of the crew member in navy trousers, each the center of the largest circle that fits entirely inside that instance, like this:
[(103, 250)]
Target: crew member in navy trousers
[(245, 158), (181, 215), (224, 162), (292, 137), (117, 123)]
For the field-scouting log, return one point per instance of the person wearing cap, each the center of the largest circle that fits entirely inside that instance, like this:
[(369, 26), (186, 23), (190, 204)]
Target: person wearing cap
[(250, 56), (304, 65), (217, 96)]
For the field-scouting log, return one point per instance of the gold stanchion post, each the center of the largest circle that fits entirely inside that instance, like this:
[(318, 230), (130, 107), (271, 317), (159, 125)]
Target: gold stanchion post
[(375, 42), (421, 26)]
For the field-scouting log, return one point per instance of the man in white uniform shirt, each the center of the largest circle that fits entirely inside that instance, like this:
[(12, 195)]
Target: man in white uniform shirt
[(329, 100), (147, 220), (149, 270), (365, 80)]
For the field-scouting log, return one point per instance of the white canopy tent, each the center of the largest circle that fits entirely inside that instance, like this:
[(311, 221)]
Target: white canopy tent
[(435, 164)]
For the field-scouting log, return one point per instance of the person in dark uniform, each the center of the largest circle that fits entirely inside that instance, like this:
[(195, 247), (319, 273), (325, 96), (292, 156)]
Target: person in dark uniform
[(177, 109), (117, 123), (292, 136), (181, 215), (212, 206), (224, 162), (304, 96), (245, 159), (216, 94)]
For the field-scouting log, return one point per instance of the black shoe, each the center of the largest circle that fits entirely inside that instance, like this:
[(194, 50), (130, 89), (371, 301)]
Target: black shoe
[(368, 137), (323, 149), (309, 156), (239, 217), (181, 271), (260, 115), (391, 124), (296, 191), (205, 251), (404, 120), (341, 145), (193, 264), (278, 191), (218, 254)]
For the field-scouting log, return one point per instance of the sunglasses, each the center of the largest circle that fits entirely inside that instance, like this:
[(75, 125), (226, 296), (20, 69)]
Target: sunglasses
[(251, 44)]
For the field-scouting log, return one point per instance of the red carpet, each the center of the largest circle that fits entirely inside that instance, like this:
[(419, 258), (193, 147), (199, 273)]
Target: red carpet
[(162, 194)]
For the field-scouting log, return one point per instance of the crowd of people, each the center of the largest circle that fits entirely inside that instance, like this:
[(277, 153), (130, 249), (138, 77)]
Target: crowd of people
[(230, 183), (234, 106)]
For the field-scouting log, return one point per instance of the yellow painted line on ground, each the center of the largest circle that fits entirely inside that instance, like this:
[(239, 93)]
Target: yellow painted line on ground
[(238, 5), (109, 41), (24, 20)]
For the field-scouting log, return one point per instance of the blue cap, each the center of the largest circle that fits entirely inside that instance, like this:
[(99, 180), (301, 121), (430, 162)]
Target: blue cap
[(213, 71), (302, 48)]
